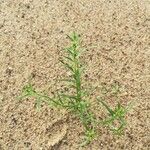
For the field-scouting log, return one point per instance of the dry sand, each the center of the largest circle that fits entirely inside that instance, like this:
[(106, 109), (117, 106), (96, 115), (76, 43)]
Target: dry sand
[(33, 33)]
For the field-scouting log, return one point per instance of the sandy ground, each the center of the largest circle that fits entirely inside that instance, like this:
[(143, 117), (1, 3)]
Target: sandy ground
[(116, 34)]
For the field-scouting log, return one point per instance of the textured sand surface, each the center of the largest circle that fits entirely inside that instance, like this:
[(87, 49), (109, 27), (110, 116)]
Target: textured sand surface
[(33, 33)]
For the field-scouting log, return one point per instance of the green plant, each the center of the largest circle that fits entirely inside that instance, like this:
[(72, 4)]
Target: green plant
[(28, 91), (77, 100), (116, 117)]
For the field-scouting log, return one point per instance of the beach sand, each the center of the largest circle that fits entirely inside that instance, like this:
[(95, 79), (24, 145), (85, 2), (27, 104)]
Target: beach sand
[(116, 38)]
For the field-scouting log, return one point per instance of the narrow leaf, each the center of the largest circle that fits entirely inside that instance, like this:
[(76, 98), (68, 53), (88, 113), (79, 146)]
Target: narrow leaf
[(67, 65), (107, 107)]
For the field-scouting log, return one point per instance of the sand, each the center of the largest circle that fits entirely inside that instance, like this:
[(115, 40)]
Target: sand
[(116, 36)]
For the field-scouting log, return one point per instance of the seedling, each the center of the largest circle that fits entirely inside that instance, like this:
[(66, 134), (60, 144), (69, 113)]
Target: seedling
[(77, 101)]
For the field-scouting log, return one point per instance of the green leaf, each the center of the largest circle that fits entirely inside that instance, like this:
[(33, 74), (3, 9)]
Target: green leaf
[(70, 51), (68, 58), (67, 66), (38, 103), (107, 107)]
